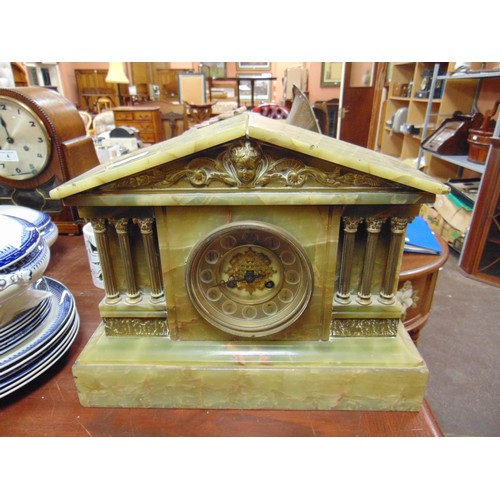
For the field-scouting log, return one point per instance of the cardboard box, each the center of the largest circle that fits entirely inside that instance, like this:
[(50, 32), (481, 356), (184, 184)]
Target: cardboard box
[(449, 218)]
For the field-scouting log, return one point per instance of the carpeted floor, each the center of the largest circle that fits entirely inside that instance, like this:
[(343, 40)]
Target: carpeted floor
[(461, 346)]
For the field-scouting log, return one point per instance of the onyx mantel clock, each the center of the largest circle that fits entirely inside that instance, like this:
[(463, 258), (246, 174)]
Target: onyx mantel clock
[(251, 263), (43, 143)]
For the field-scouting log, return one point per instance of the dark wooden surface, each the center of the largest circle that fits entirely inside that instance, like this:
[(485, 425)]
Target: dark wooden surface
[(49, 406)]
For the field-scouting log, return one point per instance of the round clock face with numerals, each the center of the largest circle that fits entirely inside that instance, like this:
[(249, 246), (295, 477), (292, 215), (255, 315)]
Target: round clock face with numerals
[(250, 279), (24, 141)]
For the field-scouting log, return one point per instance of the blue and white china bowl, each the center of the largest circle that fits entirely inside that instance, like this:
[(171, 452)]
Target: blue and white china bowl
[(50, 233), (17, 239), (40, 220), (37, 218), (16, 278)]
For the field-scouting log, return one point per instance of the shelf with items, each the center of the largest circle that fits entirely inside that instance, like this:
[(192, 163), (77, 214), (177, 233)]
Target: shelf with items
[(461, 94), (409, 88)]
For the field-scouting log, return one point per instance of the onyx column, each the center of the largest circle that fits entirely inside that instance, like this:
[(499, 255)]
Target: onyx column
[(396, 247), (351, 224), (100, 228), (146, 228)]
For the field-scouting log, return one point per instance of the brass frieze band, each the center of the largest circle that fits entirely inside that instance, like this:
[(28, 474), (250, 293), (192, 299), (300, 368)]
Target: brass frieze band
[(371, 327), (244, 164)]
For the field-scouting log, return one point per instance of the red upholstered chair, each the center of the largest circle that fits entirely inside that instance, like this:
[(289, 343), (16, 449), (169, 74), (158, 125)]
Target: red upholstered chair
[(271, 110)]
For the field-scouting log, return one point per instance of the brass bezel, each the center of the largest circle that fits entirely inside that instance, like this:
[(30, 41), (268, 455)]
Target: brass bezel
[(250, 327)]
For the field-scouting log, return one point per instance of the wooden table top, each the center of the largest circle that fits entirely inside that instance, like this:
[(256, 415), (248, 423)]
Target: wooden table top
[(49, 405)]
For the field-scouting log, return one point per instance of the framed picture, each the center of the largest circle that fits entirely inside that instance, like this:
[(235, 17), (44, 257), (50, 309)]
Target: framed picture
[(262, 88), (242, 66), (213, 69), (331, 74)]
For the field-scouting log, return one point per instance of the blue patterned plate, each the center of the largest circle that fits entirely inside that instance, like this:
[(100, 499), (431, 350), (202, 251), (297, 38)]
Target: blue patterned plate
[(41, 364), (17, 239), (22, 318), (15, 336), (63, 307)]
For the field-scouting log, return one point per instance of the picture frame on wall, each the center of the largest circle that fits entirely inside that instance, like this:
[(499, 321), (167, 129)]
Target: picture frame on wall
[(251, 66), (262, 88), (213, 69), (331, 74)]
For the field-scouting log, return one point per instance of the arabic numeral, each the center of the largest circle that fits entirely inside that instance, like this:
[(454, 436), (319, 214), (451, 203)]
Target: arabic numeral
[(3, 107), (39, 155), (32, 123), (40, 140)]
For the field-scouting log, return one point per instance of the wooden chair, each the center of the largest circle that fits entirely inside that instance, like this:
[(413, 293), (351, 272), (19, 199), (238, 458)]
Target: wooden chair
[(87, 121), (104, 103), (196, 113), (320, 110), (272, 110)]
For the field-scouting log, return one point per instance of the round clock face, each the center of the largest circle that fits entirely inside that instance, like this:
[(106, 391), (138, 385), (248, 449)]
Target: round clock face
[(249, 279), (24, 141)]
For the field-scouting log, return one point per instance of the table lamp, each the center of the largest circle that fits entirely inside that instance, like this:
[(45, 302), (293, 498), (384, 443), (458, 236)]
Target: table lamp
[(116, 74)]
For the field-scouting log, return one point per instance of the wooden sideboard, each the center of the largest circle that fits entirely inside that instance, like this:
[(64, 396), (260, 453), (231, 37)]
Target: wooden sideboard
[(146, 119)]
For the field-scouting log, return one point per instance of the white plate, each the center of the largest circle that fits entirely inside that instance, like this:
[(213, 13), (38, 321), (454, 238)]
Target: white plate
[(12, 371), (41, 365), (17, 335), (24, 317), (63, 306)]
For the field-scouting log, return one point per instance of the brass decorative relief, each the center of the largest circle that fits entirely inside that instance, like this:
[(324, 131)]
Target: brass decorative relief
[(135, 327), (365, 327), (244, 164)]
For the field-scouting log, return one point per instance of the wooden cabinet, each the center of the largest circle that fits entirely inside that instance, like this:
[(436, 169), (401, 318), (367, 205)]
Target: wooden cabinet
[(146, 119), (481, 253), (91, 85)]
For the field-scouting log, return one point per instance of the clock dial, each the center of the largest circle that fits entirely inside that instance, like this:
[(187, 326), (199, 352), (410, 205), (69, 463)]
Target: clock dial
[(24, 141), (249, 279)]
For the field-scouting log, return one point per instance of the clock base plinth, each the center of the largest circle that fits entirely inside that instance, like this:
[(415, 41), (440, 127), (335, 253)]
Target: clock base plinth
[(341, 374)]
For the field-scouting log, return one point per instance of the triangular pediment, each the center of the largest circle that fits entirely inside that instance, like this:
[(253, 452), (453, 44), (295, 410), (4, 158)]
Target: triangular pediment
[(250, 165), (252, 153)]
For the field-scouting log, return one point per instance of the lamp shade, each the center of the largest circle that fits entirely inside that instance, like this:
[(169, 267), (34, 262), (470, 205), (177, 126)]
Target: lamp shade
[(116, 73)]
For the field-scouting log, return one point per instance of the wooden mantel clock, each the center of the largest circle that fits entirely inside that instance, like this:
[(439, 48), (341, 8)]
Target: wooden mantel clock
[(43, 143), (250, 263)]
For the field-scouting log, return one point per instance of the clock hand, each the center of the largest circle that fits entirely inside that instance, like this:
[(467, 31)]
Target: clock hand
[(249, 278), (10, 140)]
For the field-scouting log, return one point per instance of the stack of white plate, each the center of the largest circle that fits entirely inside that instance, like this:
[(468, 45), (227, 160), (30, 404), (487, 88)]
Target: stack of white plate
[(40, 220), (38, 317)]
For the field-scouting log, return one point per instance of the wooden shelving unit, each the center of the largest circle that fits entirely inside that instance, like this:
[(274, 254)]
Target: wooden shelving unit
[(406, 82)]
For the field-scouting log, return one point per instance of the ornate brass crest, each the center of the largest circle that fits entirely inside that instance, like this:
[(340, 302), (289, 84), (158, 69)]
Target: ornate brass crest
[(244, 164)]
